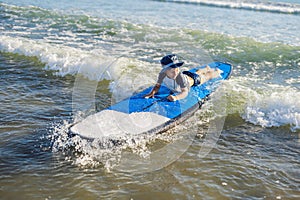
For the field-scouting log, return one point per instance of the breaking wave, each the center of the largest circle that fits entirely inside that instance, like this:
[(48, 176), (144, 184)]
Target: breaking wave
[(256, 5)]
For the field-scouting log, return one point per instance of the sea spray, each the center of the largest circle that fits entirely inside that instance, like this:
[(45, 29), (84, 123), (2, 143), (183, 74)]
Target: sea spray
[(274, 108), (257, 5), (267, 105)]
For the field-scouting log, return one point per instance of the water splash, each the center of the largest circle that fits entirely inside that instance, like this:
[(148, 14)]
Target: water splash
[(266, 105), (106, 151), (275, 108)]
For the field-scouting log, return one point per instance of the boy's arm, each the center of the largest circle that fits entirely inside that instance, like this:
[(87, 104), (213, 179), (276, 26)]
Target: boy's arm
[(182, 95), (153, 91)]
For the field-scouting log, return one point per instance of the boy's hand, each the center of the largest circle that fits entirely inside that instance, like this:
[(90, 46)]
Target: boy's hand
[(153, 91), (147, 96), (171, 98)]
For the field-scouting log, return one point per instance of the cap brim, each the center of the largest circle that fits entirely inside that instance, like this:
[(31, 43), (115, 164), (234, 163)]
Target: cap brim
[(177, 65), (173, 66)]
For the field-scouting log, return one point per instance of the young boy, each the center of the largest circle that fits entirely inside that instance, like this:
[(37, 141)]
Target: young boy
[(180, 82)]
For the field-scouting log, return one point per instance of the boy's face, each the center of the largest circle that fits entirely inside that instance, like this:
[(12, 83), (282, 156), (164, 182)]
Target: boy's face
[(172, 73)]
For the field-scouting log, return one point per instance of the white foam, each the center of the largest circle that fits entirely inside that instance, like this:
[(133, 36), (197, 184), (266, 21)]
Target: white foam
[(126, 74), (274, 108), (266, 105), (250, 5), (63, 59)]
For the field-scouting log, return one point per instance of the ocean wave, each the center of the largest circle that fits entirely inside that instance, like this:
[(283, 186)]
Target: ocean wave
[(275, 109), (125, 74), (257, 5), (266, 105), (64, 60)]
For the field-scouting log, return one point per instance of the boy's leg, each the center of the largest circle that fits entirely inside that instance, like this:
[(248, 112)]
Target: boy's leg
[(208, 73), (191, 81), (203, 71)]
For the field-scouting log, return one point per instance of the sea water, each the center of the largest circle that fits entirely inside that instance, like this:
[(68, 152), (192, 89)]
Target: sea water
[(62, 61)]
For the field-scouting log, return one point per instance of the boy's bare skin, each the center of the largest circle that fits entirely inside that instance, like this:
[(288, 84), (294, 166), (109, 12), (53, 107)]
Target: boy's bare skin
[(208, 73)]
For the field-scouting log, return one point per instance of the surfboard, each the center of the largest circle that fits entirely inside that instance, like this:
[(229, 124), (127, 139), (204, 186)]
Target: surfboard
[(138, 115)]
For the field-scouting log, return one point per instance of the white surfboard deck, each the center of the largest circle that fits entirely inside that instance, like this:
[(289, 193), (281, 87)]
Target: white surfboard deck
[(110, 123)]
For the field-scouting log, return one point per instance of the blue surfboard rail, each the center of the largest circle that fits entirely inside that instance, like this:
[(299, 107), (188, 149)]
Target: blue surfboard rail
[(177, 111)]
